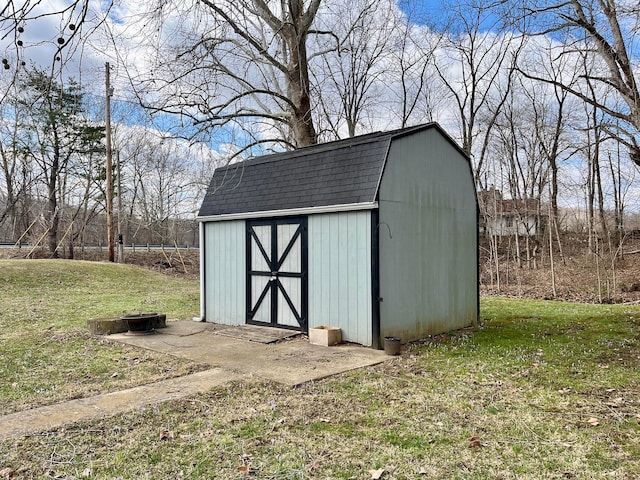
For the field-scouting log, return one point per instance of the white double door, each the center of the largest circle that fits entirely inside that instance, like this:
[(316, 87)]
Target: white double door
[(277, 272)]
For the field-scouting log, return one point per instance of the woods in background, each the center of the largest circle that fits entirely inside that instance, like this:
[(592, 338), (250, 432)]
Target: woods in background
[(543, 97)]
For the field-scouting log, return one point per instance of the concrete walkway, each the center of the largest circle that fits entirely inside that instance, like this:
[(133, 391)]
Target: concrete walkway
[(289, 362), (36, 420)]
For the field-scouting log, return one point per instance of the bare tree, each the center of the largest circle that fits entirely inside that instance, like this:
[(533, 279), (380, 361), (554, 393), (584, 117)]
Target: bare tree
[(25, 26), (607, 29), (240, 64), (412, 56), (476, 68), (348, 76), (161, 182), (594, 138), (622, 175), (520, 168), (552, 106), (10, 166)]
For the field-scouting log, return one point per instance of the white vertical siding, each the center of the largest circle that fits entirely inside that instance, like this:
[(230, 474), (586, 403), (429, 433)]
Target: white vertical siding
[(339, 248), (225, 272)]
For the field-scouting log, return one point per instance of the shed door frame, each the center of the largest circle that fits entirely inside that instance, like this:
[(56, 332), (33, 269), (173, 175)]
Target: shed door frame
[(277, 280)]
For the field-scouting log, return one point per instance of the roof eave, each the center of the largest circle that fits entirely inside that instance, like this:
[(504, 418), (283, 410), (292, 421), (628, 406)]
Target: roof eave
[(290, 212)]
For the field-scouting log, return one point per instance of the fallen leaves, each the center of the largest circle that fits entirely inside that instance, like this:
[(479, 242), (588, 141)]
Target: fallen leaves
[(593, 421), (475, 442), (376, 474), (245, 469), (616, 402), (313, 467), (7, 473)]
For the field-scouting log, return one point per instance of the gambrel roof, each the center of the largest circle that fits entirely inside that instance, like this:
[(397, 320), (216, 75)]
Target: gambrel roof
[(342, 173)]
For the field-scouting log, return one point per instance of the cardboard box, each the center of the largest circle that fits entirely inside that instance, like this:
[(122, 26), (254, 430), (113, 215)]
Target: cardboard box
[(325, 336)]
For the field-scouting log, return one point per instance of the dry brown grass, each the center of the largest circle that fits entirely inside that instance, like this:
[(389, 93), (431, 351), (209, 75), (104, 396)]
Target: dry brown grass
[(47, 353), (543, 390)]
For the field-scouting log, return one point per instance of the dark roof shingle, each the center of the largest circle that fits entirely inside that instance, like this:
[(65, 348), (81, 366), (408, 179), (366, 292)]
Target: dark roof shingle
[(336, 173)]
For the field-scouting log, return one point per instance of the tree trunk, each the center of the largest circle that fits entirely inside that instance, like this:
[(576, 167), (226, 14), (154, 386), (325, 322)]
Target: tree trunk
[(52, 208), (551, 262), (303, 131), (554, 190)]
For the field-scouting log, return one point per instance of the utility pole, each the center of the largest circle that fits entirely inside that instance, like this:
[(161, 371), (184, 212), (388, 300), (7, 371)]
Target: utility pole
[(109, 190), (120, 240)]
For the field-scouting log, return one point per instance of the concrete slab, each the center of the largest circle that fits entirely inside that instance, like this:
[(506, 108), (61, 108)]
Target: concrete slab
[(291, 362), (55, 416)]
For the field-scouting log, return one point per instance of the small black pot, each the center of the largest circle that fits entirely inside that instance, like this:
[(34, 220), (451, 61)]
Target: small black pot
[(392, 345)]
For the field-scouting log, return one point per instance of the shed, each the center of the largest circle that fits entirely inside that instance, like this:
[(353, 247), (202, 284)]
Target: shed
[(375, 234)]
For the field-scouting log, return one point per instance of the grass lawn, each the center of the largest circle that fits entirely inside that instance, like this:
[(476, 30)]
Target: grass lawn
[(543, 390), (47, 353)]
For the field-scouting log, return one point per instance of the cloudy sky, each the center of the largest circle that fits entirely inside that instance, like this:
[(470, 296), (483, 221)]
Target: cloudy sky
[(124, 35), (54, 42), (125, 38)]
